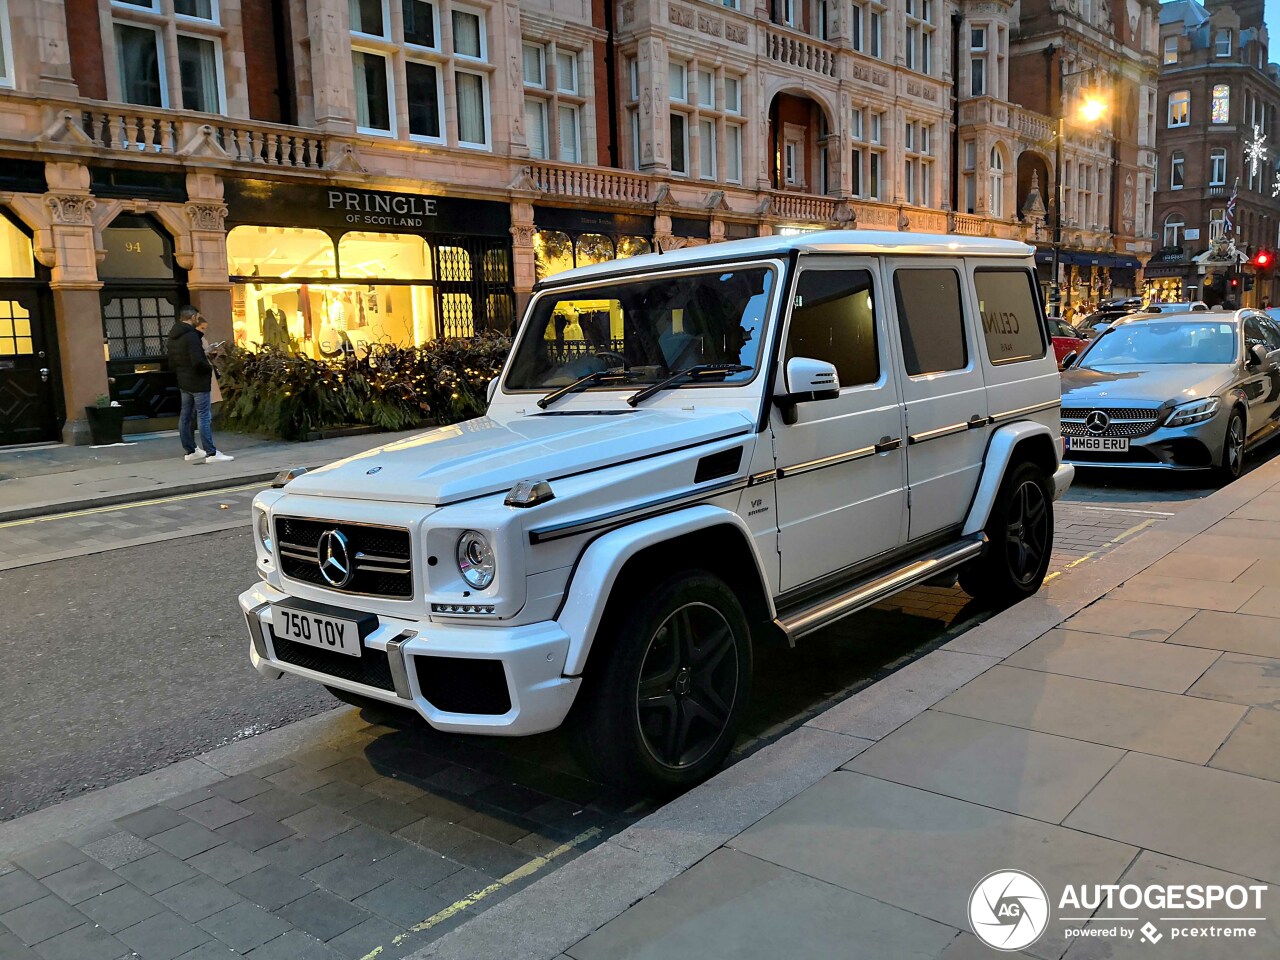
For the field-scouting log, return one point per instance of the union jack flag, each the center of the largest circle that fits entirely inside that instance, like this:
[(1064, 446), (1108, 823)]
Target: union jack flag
[(1229, 221)]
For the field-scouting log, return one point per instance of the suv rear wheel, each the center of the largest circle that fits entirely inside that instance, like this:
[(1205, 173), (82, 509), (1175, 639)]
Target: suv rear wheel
[(1020, 539), (663, 708)]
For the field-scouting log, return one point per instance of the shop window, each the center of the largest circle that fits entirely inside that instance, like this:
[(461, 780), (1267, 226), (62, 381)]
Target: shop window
[(552, 253), (280, 252), (16, 259), (138, 60), (633, 247), (15, 329), (556, 251), (385, 256), (1221, 112)]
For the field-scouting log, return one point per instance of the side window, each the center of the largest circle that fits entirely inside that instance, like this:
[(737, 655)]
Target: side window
[(1261, 330), (834, 320), (1010, 320), (931, 319), (1271, 332)]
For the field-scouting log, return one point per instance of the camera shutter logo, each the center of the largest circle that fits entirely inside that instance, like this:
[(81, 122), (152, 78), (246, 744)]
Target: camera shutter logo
[(1008, 910), (334, 554), (1097, 422)]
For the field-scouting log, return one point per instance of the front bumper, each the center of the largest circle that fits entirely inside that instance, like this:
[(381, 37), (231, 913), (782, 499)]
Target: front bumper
[(396, 665), (1063, 477), (1197, 446)]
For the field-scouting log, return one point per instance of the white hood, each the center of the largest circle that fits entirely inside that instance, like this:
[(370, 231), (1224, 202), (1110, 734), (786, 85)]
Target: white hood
[(486, 456)]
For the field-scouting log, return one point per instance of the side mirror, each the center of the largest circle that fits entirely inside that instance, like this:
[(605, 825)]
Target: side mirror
[(1257, 355), (805, 381), (1069, 359), (491, 390)]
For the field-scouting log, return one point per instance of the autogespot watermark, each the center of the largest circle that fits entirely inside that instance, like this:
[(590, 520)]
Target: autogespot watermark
[(1010, 910)]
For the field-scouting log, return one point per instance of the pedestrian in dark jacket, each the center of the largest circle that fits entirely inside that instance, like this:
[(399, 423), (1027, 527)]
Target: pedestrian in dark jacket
[(194, 373)]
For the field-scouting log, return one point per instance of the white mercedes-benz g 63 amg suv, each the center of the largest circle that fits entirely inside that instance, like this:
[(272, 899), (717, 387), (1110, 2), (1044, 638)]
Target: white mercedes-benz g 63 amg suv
[(685, 455)]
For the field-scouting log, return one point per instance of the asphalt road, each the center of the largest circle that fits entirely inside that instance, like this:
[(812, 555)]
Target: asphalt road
[(119, 663)]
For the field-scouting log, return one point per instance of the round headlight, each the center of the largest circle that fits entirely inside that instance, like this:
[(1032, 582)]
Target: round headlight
[(475, 559), (264, 531)]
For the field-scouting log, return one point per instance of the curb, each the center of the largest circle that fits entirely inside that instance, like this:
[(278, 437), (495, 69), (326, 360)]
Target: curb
[(134, 496), (549, 916)]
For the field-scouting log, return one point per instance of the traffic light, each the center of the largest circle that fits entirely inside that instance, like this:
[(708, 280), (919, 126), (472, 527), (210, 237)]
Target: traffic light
[(1263, 260), (1235, 283)]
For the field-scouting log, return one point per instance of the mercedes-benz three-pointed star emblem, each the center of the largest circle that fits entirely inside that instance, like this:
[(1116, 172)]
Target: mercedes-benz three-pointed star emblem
[(1097, 421), (334, 556)]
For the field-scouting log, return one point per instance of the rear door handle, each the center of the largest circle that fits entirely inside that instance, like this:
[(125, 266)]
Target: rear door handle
[(976, 421), (888, 443)]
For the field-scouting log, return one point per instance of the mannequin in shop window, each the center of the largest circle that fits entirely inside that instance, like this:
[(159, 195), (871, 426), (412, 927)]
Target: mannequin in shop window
[(275, 330)]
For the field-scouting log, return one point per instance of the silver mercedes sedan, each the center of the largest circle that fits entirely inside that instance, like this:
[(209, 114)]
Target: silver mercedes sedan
[(1177, 392)]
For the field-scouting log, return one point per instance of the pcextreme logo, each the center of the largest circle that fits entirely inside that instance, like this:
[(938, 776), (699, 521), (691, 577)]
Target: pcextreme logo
[(1008, 910)]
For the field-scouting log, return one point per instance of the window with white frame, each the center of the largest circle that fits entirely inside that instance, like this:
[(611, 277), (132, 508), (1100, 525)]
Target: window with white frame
[(6, 50), (857, 25), (875, 30), (978, 61), (995, 185), (917, 144), (1170, 49), (792, 156), (1217, 167), (788, 12), (408, 53), (1179, 108), (1177, 167), (876, 126), (1174, 225), (919, 35), (733, 128), (145, 48), (1222, 43), (858, 133), (970, 176), (678, 93), (1217, 223), (553, 103)]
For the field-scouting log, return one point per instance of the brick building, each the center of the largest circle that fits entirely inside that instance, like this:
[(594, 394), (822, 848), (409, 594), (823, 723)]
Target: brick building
[(1216, 87), (322, 174)]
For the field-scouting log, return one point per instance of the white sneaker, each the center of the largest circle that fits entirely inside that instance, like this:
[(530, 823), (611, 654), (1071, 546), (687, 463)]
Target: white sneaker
[(219, 458), (196, 457)]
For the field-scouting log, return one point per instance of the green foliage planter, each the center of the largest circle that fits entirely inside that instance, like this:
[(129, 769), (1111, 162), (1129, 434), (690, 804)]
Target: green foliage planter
[(389, 388)]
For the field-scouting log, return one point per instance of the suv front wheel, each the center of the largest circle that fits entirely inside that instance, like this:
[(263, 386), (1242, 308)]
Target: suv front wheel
[(1019, 540), (663, 707)]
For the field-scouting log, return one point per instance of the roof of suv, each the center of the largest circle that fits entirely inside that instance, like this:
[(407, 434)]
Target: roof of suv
[(824, 241)]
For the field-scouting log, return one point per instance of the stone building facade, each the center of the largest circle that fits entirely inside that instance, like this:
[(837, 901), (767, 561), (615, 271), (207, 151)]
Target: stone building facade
[(1218, 94), (324, 175)]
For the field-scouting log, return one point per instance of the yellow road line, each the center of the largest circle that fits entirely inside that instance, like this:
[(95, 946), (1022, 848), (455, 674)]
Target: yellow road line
[(527, 870), (129, 506)]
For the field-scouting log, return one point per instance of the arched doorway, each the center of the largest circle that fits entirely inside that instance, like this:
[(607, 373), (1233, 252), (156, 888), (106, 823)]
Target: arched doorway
[(142, 290), (29, 381), (799, 129)]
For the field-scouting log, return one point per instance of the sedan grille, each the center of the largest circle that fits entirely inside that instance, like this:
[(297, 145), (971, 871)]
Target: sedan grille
[(1122, 421), (380, 557)]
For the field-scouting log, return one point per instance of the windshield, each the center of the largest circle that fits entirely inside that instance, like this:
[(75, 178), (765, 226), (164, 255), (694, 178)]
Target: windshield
[(1140, 343), (650, 327)]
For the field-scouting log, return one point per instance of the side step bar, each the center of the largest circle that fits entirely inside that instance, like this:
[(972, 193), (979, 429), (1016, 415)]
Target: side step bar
[(800, 621)]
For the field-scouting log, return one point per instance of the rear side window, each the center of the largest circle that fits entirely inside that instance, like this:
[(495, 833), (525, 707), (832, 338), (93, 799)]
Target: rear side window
[(931, 320), (1010, 318), (834, 320)]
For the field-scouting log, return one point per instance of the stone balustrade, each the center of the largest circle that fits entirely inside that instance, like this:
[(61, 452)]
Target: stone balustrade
[(805, 208), (797, 50), (590, 183)]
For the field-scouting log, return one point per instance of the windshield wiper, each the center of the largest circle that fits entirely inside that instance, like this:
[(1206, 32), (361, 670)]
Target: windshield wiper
[(688, 373), (600, 376)]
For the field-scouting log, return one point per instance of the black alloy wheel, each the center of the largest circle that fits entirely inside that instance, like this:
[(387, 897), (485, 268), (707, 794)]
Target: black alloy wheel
[(666, 685), (1233, 449), (1019, 540), (687, 686)]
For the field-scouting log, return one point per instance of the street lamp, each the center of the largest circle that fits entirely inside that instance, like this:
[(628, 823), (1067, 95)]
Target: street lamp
[(1091, 111)]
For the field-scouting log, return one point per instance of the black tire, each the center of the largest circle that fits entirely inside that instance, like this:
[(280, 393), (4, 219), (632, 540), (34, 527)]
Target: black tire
[(667, 687), (1232, 449), (1020, 540)]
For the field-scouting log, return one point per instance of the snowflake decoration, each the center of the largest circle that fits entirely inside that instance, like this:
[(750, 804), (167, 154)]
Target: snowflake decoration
[(1255, 151)]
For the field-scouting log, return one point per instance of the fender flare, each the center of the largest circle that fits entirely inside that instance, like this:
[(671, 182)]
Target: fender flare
[(598, 567), (999, 452)]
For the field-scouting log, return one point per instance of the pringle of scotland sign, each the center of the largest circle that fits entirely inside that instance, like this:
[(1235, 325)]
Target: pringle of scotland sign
[(332, 207)]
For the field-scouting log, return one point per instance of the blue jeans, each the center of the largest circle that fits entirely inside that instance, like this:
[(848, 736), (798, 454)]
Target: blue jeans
[(196, 406)]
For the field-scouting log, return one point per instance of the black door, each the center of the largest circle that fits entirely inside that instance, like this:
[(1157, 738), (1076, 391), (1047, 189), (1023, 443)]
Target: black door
[(28, 374), (136, 321)]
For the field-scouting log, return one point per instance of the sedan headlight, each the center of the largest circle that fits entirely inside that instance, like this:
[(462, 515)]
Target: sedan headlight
[(263, 526), (476, 562), (1196, 411)]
